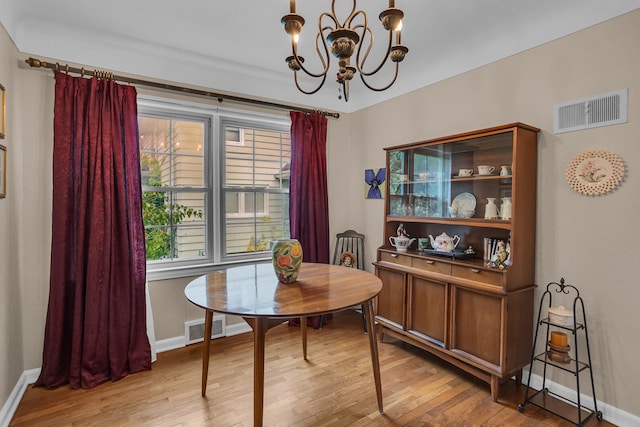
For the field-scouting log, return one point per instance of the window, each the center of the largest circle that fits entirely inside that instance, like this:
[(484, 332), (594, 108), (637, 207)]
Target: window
[(215, 185), (256, 193), (242, 204), (234, 136), (174, 188)]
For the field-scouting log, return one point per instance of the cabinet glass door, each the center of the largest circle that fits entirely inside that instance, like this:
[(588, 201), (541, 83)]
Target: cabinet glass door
[(426, 181), (418, 183)]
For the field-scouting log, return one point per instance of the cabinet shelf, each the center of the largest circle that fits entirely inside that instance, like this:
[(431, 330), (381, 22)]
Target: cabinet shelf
[(454, 179), (471, 262), (475, 222)]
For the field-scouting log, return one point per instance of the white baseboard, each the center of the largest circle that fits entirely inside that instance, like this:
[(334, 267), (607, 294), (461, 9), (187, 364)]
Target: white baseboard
[(237, 329), (171, 344), (609, 413), (181, 341), (10, 406)]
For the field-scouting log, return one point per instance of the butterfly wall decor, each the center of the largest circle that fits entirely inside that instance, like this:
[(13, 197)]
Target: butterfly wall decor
[(374, 181)]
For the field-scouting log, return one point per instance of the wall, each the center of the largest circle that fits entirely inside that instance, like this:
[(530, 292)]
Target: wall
[(25, 216), (590, 241), (11, 348)]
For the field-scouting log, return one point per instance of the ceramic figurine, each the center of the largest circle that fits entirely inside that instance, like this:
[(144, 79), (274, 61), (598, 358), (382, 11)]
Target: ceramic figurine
[(500, 256)]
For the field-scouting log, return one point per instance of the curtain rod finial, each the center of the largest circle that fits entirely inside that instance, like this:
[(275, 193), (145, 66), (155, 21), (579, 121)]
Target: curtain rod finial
[(33, 62)]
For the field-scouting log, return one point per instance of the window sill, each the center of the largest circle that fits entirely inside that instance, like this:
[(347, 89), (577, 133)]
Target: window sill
[(174, 272)]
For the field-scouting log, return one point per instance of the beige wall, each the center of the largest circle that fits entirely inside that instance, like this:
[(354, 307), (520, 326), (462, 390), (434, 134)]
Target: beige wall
[(11, 363), (25, 216), (588, 240)]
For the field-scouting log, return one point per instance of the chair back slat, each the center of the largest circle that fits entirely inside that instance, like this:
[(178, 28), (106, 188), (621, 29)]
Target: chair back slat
[(350, 241)]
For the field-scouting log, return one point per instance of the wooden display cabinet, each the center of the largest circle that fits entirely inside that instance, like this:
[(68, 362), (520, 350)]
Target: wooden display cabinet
[(471, 313)]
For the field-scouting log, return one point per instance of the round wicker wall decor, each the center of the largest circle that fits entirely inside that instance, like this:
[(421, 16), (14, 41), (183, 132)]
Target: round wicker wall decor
[(594, 172)]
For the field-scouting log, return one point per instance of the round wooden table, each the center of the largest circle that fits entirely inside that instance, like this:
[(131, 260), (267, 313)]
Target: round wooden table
[(254, 293)]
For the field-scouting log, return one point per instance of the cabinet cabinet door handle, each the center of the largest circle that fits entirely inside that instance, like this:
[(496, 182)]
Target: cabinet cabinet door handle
[(394, 255), (429, 261), (475, 270)]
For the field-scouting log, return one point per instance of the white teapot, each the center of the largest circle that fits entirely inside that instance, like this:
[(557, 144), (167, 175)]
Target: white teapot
[(444, 243), (401, 243)]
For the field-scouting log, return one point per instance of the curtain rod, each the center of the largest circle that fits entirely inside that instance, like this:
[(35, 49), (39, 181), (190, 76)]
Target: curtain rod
[(36, 63)]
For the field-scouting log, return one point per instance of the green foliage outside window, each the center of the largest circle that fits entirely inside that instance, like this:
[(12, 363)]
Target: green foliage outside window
[(159, 214)]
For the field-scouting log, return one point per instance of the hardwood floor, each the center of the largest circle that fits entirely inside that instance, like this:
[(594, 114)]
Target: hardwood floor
[(333, 388)]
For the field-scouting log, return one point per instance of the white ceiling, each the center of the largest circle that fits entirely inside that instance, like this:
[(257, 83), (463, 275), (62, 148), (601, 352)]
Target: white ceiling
[(240, 45)]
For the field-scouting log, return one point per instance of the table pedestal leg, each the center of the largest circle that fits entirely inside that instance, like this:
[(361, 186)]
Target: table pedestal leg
[(260, 327), (373, 346), (303, 331), (208, 320)]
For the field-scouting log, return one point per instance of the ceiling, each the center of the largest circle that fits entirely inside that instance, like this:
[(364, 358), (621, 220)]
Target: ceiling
[(239, 46)]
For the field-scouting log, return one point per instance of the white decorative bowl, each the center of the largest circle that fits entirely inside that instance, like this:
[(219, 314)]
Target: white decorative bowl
[(561, 316)]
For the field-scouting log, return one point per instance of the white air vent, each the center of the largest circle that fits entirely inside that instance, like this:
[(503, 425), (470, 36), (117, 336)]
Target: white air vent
[(194, 329), (600, 110)]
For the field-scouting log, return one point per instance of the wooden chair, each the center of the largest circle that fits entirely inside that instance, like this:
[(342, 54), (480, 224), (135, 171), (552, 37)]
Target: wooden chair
[(352, 242)]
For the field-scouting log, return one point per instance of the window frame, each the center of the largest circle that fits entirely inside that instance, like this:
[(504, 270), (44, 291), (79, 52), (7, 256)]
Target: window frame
[(214, 173)]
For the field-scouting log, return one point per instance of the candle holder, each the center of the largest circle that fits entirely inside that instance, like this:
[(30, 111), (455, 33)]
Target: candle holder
[(559, 354)]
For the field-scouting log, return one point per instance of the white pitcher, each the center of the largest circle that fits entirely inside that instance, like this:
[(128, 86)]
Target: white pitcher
[(491, 210), (505, 209)]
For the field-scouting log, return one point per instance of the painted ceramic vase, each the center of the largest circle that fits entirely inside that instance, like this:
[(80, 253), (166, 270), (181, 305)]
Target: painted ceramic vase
[(287, 258)]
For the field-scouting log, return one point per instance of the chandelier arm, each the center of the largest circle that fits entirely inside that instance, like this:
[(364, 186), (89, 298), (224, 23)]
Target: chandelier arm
[(325, 65), (306, 92), (331, 16), (353, 15), (395, 76), (360, 64)]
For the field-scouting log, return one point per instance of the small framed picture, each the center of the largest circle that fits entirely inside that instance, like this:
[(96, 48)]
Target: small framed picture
[(423, 243), (3, 171), (3, 112)]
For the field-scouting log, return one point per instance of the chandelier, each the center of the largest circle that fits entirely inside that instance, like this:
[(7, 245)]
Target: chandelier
[(343, 40)]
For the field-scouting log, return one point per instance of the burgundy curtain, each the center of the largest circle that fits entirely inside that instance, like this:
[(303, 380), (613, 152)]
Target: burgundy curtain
[(308, 195), (95, 330), (308, 198)]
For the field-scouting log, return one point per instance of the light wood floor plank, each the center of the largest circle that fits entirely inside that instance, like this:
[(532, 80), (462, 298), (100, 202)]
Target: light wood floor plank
[(334, 387)]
